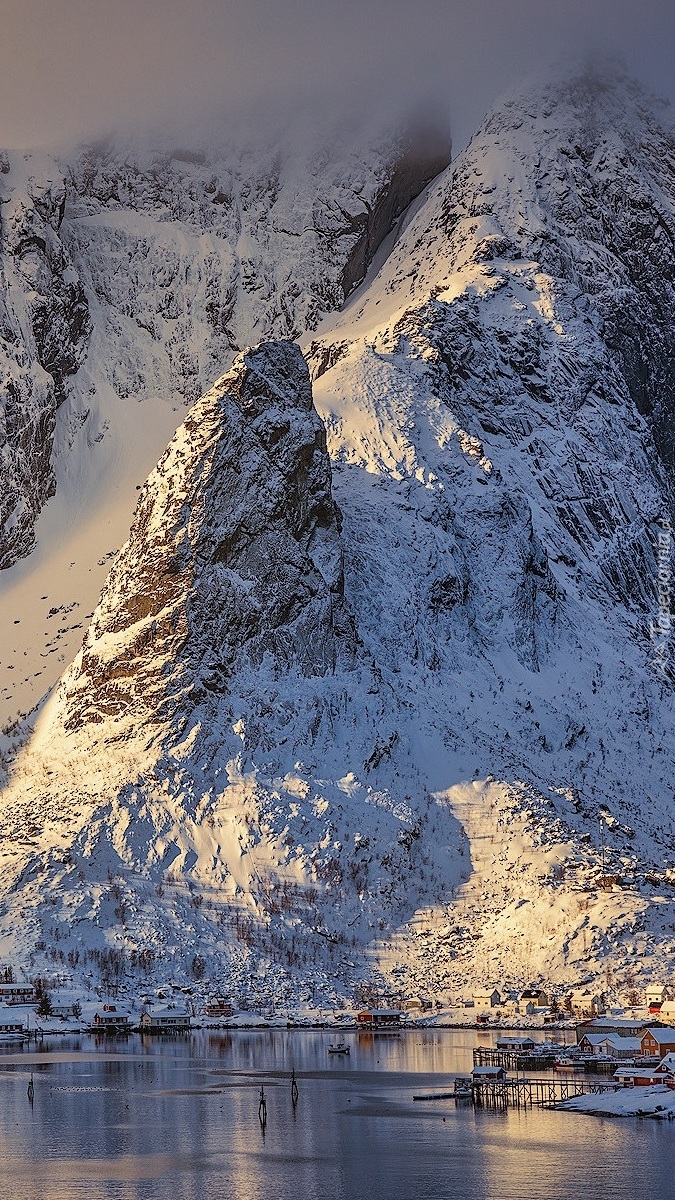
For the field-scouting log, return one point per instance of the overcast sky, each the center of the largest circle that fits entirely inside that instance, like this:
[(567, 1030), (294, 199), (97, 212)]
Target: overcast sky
[(70, 68)]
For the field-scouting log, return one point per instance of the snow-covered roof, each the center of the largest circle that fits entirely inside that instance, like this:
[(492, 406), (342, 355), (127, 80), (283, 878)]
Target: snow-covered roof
[(634, 1072), (661, 1036), (609, 1023), (595, 1038), (166, 1011), (613, 1039)]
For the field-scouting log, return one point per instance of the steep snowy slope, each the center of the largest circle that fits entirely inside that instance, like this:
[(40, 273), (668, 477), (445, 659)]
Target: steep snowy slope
[(222, 764), (499, 402), (458, 765), (142, 272)]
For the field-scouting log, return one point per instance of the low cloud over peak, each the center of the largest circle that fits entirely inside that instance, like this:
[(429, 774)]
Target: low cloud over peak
[(74, 69)]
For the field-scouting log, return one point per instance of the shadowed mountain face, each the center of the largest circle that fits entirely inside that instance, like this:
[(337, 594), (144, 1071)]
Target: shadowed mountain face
[(44, 325), (234, 556), (600, 215)]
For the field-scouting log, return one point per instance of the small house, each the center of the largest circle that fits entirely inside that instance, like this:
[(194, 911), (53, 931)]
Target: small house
[(533, 995), (218, 1006), (12, 1029), (655, 997), (656, 1043), (488, 1075), (487, 999), (666, 1066), (171, 1019), (637, 1076), (667, 1012), (517, 1044), (111, 1019), (379, 1018), (64, 1008), (590, 1043), (610, 1045), (586, 1003), (17, 993)]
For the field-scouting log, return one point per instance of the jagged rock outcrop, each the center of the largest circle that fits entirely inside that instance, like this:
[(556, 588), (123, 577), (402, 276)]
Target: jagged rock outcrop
[(44, 325), (185, 257), (223, 728), (234, 557)]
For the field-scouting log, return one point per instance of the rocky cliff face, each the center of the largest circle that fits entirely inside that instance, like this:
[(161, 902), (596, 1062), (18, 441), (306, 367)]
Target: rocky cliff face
[(194, 255), (43, 337), (174, 260), (234, 558), (223, 724)]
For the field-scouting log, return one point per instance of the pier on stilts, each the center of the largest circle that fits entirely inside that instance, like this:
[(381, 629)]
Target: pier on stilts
[(513, 1060), (530, 1093)]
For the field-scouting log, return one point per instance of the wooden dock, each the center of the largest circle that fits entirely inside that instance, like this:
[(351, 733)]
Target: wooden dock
[(530, 1093), (513, 1060)]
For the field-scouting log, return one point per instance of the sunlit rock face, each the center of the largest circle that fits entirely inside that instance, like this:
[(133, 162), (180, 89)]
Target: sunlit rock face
[(224, 724), (505, 473), (158, 266), (234, 558)]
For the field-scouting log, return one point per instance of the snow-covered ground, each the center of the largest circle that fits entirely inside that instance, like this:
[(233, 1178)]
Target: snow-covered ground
[(657, 1101)]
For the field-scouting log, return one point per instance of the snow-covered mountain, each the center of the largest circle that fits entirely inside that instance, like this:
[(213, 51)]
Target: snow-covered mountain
[(425, 731), (226, 763)]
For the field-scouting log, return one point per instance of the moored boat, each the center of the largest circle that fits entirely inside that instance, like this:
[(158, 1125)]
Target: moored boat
[(566, 1063)]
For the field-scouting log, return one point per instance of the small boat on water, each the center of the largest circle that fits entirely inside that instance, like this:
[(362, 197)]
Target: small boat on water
[(462, 1089), (566, 1063), (338, 1048)]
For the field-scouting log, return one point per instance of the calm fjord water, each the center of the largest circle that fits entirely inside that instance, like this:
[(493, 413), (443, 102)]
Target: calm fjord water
[(153, 1119)]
